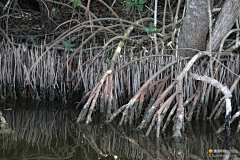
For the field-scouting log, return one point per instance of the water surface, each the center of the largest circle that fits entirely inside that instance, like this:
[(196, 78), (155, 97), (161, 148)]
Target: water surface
[(48, 131)]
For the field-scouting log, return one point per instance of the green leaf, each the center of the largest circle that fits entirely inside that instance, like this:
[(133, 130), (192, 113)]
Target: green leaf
[(142, 1), (63, 149), (36, 41), (16, 31), (110, 14), (155, 31), (55, 11), (105, 62), (140, 7), (112, 54), (129, 3), (77, 3), (66, 43), (151, 26), (146, 29), (136, 1)]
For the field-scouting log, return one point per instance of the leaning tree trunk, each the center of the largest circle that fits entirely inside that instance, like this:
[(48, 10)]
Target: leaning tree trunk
[(225, 20), (194, 29)]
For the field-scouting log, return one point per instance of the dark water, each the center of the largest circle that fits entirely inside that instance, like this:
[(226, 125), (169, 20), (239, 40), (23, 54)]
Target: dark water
[(48, 131)]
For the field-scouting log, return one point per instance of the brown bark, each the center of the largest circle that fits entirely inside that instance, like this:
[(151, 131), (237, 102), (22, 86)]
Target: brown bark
[(46, 15), (195, 27)]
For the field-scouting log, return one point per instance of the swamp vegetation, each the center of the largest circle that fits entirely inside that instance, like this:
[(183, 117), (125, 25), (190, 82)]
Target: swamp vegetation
[(147, 62)]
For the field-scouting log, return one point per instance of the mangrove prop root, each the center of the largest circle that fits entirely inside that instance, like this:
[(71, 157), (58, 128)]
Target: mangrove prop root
[(94, 96), (180, 110), (216, 108), (133, 112), (219, 110), (237, 114), (158, 92), (224, 90), (157, 115), (89, 118), (139, 111), (196, 98), (238, 129), (221, 100), (140, 91), (160, 100), (83, 112), (169, 116), (102, 103)]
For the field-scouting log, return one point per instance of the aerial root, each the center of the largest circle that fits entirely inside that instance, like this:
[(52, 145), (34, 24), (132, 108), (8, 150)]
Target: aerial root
[(128, 109), (158, 106), (218, 108), (169, 116), (227, 95), (156, 94), (159, 115), (238, 129), (133, 108), (153, 108), (196, 98), (237, 114), (151, 111), (92, 99)]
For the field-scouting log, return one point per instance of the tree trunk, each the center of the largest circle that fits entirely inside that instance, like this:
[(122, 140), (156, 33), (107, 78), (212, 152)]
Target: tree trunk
[(46, 15), (225, 20), (194, 29)]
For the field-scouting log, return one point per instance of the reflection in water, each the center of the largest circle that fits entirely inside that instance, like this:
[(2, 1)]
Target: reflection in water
[(49, 131)]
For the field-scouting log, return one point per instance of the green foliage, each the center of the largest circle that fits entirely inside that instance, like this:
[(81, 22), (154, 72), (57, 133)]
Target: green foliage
[(127, 58), (76, 3), (110, 14), (63, 149), (33, 39), (151, 29), (112, 53), (95, 51), (129, 46), (55, 11), (68, 44), (137, 3), (16, 31)]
